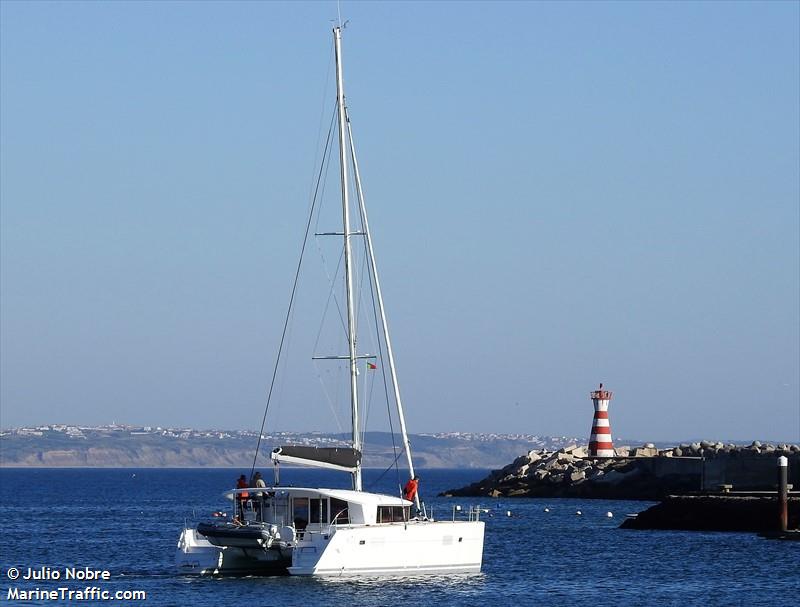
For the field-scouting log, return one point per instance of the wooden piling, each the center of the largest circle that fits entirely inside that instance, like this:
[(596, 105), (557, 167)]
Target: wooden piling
[(783, 492)]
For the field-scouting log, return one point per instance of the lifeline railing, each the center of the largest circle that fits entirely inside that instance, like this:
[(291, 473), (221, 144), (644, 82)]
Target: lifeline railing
[(473, 514)]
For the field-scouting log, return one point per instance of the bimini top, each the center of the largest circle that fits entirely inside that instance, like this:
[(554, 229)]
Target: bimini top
[(336, 458)]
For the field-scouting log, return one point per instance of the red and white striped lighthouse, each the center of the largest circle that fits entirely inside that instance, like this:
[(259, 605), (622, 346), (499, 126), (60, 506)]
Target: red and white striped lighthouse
[(600, 444)]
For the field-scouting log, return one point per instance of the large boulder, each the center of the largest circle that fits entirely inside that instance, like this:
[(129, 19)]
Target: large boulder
[(577, 475), (517, 463)]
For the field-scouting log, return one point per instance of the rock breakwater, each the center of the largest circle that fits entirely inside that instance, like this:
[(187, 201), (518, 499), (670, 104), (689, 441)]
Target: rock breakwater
[(643, 472)]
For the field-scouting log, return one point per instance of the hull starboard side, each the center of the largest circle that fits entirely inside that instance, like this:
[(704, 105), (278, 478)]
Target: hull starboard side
[(413, 548)]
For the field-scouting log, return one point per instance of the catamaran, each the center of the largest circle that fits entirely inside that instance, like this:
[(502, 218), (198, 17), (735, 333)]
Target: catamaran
[(312, 531)]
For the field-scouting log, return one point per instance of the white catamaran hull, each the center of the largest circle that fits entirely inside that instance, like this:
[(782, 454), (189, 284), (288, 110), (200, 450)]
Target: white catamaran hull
[(195, 555), (413, 548), (416, 547)]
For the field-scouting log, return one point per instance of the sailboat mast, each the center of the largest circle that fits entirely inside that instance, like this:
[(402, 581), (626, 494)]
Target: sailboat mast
[(381, 311), (348, 265)]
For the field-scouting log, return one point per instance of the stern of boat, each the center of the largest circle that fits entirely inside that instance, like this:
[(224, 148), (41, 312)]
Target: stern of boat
[(195, 555)]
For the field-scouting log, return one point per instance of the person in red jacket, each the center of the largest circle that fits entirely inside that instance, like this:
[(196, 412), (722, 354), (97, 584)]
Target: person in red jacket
[(241, 498), (410, 490)]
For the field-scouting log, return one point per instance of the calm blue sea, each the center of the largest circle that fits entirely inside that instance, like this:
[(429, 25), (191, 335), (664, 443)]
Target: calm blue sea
[(128, 521)]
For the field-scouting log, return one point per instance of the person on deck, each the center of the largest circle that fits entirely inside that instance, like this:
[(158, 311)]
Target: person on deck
[(258, 482), (258, 505), (410, 490), (241, 498)]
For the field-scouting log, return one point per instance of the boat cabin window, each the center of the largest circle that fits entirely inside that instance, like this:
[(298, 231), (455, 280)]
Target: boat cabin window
[(339, 512), (393, 514), (319, 510), (300, 512)]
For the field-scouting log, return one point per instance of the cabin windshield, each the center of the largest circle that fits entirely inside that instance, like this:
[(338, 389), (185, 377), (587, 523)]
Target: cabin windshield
[(318, 510), (301, 510), (392, 514), (340, 512), (263, 506)]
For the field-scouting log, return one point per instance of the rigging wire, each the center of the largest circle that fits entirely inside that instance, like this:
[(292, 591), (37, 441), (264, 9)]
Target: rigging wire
[(332, 291), (322, 117), (291, 301), (382, 474), (385, 384), (359, 302), (325, 390), (314, 190), (375, 315), (368, 392), (331, 280), (331, 296)]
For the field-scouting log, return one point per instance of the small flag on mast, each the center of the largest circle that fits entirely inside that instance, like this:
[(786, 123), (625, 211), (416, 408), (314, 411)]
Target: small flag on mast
[(371, 366)]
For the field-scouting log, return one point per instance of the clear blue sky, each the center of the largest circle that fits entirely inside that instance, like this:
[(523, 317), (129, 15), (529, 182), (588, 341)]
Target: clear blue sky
[(560, 194)]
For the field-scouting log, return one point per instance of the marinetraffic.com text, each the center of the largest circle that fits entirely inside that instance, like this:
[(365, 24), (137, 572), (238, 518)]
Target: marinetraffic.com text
[(23, 577)]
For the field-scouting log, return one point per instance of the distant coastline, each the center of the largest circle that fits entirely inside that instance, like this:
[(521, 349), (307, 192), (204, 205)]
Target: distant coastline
[(125, 446), (128, 446)]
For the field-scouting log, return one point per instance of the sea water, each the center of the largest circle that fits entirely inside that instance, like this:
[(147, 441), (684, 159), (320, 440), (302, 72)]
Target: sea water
[(126, 522)]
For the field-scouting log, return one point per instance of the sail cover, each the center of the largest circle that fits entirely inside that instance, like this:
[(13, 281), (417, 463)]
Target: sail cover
[(337, 458)]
